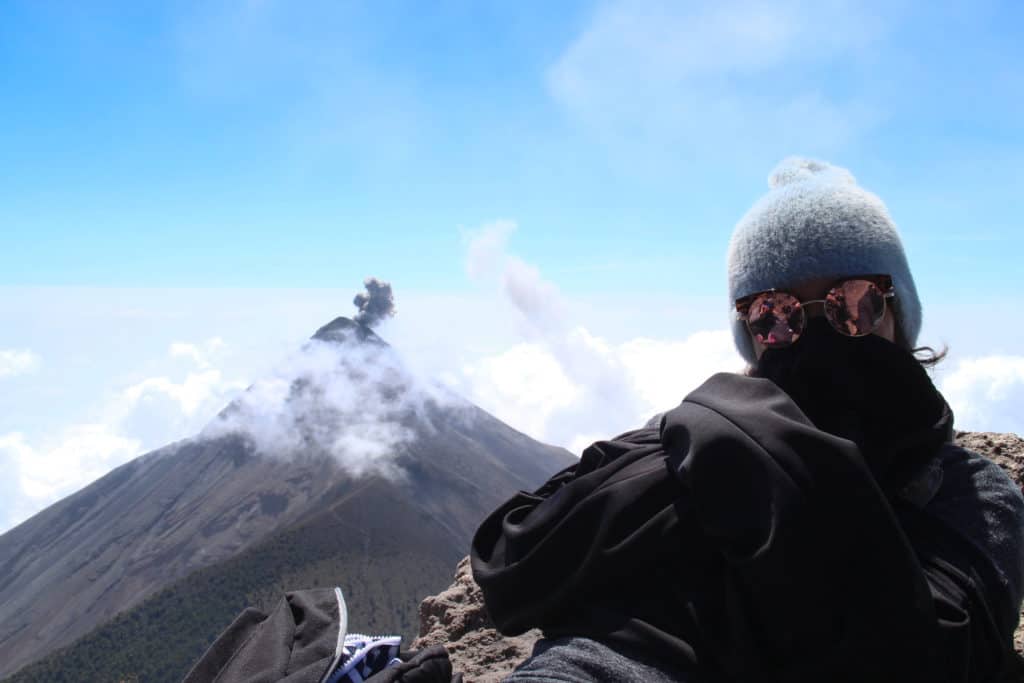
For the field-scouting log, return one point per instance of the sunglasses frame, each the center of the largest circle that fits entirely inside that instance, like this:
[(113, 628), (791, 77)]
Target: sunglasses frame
[(883, 282)]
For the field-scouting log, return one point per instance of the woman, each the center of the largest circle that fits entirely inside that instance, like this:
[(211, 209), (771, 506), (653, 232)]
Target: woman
[(810, 520)]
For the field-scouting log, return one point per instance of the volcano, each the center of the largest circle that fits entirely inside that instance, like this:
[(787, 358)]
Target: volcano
[(345, 469)]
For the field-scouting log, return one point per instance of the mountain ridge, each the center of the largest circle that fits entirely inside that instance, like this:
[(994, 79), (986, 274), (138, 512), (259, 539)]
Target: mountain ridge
[(200, 501)]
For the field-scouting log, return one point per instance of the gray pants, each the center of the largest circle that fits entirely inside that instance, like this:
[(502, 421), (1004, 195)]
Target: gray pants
[(582, 660)]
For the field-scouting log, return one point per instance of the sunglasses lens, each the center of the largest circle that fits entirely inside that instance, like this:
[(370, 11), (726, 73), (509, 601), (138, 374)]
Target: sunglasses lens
[(855, 307), (775, 319)]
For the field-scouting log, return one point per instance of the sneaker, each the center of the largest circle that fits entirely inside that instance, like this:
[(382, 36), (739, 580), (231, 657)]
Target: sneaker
[(365, 656)]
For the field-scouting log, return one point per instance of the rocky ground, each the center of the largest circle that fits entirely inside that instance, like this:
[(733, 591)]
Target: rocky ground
[(456, 617)]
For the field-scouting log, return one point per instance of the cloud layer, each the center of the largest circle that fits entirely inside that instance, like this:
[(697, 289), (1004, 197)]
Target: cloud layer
[(986, 393)]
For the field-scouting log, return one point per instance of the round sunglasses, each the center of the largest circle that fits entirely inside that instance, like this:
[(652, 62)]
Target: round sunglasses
[(854, 307)]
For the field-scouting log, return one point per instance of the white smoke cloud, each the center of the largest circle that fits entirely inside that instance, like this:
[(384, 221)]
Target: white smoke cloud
[(566, 385), (987, 393), (353, 401), (486, 248), (17, 362)]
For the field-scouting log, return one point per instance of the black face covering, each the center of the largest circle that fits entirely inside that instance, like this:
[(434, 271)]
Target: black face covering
[(867, 390)]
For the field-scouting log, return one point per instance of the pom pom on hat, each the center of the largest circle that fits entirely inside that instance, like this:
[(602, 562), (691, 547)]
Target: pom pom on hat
[(817, 222), (797, 169)]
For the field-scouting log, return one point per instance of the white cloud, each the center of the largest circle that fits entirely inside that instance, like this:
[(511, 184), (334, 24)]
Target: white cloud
[(576, 390), (190, 394), (733, 73), (143, 416), (38, 475), (523, 386), (566, 385), (78, 456), (17, 362), (14, 505), (162, 409), (987, 393), (663, 371), (199, 353)]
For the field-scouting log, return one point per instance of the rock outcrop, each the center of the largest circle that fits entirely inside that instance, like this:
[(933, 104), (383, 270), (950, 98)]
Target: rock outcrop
[(456, 617)]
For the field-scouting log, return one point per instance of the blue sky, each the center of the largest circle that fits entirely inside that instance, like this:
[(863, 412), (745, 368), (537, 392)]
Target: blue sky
[(172, 168), (275, 144)]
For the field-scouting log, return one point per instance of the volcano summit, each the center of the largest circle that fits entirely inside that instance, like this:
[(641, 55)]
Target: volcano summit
[(341, 467)]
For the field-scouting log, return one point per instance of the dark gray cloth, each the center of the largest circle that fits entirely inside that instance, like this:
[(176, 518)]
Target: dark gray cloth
[(582, 660), (295, 643), (977, 498), (299, 642)]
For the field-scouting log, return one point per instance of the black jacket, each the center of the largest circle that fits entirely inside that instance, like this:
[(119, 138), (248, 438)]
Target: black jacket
[(740, 543)]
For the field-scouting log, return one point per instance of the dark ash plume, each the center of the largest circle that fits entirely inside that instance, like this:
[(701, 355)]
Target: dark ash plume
[(375, 304)]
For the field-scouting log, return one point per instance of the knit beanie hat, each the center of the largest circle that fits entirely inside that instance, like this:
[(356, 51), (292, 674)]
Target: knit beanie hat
[(817, 222)]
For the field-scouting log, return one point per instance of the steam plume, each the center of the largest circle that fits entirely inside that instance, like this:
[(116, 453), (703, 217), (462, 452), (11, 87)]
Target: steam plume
[(375, 304), (353, 401)]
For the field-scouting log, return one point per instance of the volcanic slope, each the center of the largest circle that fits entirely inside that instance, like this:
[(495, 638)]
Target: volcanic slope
[(385, 554), (359, 431)]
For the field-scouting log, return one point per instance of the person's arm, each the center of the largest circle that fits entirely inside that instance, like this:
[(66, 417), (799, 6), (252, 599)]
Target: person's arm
[(535, 554), (972, 643), (975, 523)]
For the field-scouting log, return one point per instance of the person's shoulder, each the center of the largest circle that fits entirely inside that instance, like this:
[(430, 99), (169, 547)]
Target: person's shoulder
[(649, 432), (633, 444), (969, 480), (643, 436), (721, 384)]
